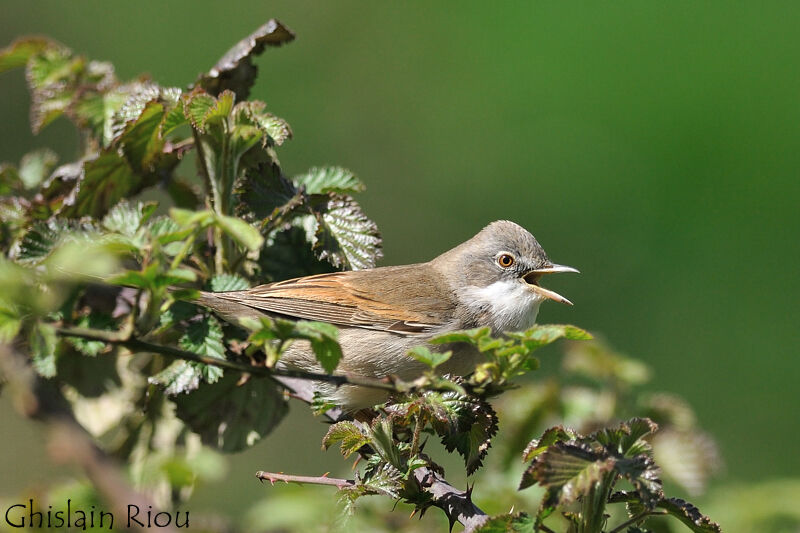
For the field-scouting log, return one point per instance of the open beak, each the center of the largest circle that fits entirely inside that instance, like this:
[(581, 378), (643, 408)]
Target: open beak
[(532, 279)]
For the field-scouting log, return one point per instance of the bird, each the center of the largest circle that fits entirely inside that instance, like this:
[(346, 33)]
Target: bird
[(491, 280)]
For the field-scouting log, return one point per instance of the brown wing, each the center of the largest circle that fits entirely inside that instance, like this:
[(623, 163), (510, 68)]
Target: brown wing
[(409, 299)]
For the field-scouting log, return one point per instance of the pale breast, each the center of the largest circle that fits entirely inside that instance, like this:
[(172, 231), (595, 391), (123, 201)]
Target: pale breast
[(508, 305)]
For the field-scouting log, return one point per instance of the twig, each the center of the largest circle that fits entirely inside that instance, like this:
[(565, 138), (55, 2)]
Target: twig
[(545, 529), (272, 477), (134, 344)]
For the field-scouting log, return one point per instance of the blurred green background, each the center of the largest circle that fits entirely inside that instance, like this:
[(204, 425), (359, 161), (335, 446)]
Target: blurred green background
[(652, 145)]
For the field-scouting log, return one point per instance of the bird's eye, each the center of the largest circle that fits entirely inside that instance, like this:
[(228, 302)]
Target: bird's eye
[(505, 260)]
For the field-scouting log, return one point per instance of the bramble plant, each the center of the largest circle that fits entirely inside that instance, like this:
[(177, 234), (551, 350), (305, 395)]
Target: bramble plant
[(99, 338)]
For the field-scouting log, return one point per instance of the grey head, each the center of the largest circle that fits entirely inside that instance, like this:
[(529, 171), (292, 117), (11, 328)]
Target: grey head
[(496, 275)]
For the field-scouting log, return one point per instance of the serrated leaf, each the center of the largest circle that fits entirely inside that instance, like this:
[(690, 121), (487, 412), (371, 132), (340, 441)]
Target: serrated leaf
[(103, 182), (689, 515), (219, 112), (36, 166), (429, 358), (235, 70), (126, 219), (684, 511), (42, 342), (196, 106), (228, 282), (508, 523), (324, 180), (345, 236), (548, 438), (232, 417), (263, 192), (205, 337), (179, 377), (18, 53), (570, 471), (277, 129), (141, 141), (39, 241), (348, 434), (467, 427)]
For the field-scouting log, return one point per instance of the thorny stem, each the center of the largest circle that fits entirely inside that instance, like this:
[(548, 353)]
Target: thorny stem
[(415, 438), (314, 480), (133, 344)]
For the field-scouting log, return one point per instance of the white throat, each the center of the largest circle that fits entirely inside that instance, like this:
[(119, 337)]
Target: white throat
[(510, 304)]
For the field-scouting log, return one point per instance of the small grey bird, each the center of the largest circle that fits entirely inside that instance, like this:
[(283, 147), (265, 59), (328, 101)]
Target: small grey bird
[(490, 280)]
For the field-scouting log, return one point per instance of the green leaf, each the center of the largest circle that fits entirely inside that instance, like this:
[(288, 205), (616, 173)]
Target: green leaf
[(103, 182), (467, 425), (126, 219), (94, 320), (173, 276), (625, 439), (229, 416), (276, 129), (324, 180), (235, 70), (38, 242), (427, 357), (542, 335), (472, 336), (10, 321), (42, 342), (345, 236), (348, 434), (264, 193), (196, 105), (570, 471), (36, 166), (324, 340), (18, 53), (179, 377), (228, 282), (548, 438), (508, 523), (205, 338), (241, 232)]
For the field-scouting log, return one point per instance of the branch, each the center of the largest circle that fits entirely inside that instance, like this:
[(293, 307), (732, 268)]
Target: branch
[(456, 504), (314, 480), (136, 345)]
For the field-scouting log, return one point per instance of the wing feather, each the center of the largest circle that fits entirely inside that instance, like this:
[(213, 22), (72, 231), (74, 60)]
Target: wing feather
[(405, 300)]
